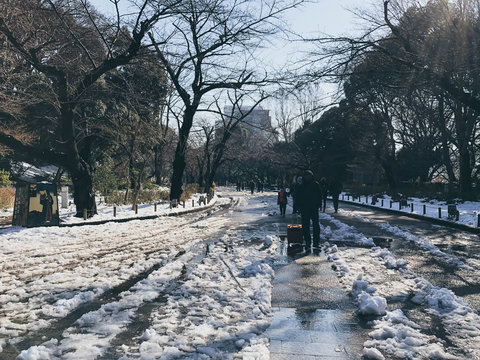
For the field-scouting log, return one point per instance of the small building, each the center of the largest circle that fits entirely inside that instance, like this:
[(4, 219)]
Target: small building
[(36, 204)]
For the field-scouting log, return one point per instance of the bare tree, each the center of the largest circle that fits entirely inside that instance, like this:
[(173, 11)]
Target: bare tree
[(209, 47), (69, 47)]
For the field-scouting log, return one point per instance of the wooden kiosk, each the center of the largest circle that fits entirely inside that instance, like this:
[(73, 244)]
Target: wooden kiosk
[(36, 204)]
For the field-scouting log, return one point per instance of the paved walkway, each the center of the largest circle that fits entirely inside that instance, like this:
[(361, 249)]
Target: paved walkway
[(313, 316)]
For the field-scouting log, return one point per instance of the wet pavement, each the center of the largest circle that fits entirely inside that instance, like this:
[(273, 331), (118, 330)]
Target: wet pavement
[(314, 318)]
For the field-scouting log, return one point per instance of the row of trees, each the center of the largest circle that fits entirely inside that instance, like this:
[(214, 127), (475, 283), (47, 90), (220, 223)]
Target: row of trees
[(81, 89), (122, 95), (410, 89)]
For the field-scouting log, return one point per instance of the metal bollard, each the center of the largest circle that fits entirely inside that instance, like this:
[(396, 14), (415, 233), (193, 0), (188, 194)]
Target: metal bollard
[(399, 205), (382, 202), (114, 211), (84, 214), (478, 220), (155, 207), (439, 213), (391, 204), (424, 209), (183, 204), (411, 207), (136, 209), (193, 203)]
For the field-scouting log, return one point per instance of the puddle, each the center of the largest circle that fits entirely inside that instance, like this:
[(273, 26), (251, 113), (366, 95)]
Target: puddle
[(309, 333)]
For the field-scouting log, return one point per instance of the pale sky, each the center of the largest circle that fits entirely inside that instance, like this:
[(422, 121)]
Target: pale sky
[(330, 17)]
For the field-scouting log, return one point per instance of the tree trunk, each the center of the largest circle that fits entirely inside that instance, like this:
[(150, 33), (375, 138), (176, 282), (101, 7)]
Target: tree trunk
[(79, 164), (217, 160), (444, 138), (465, 170), (179, 162), (83, 195), (390, 177), (127, 186), (465, 174), (158, 164)]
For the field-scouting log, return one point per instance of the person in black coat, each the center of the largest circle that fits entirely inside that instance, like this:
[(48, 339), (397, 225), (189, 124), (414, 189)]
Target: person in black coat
[(308, 199), (335, 190)]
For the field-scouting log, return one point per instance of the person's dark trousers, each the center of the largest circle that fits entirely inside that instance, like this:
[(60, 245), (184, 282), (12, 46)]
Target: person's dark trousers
[(335, 202), (323, 205), (307, 216), (283, 208)]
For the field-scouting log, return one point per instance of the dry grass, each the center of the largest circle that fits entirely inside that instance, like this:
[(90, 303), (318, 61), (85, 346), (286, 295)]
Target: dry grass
[(7, 197)]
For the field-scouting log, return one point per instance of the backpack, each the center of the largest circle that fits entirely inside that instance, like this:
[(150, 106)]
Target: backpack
[(281, 197)]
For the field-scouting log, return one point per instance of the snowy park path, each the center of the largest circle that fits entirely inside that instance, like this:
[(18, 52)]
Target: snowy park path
[(200, 286), (192, 286)]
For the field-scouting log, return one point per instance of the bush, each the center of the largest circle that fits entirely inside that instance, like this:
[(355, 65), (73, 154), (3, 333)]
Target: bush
[(190, 189), (7, 197), (5, 178), (104, 180)]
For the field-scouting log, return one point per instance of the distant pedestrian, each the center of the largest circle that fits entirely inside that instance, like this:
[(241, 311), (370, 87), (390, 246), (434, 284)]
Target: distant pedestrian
[(308, 201), (239, 185), (323, 193), (252, 187), (282, 201), (335, 190), (293, 192)]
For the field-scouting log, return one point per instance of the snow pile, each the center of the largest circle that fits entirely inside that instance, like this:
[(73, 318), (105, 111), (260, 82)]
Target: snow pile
[(371, 305), (372, 353), (398, 336), (360, 286), (367, 304), (64, 306), (457, 317), (389, 261), (343, 232), (424, 244)]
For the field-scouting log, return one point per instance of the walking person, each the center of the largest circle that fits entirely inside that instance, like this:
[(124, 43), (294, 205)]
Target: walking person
[(335, 190), (308, 202), (293, 192), (282, 201), (323, 193), (252, 187)]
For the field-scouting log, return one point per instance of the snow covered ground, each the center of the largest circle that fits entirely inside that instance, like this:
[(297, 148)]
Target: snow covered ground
[(106, 212), (199, 286), (468, 210), (382, 285), (207, 285)]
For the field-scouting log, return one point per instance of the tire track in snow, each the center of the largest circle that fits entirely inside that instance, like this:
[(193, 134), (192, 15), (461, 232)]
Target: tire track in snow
[(59, 326)]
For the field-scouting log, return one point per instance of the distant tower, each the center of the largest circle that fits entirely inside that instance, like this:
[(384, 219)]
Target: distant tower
[(256, 126)]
